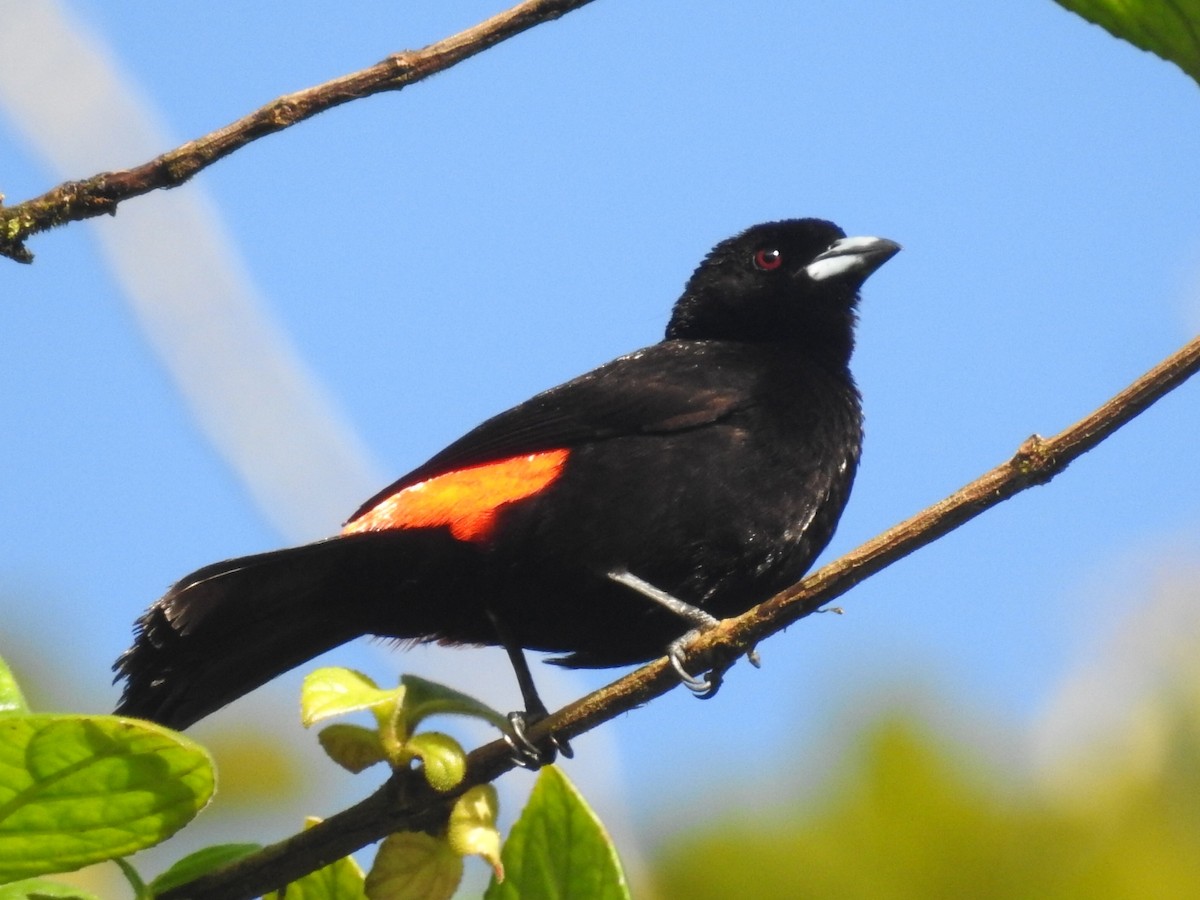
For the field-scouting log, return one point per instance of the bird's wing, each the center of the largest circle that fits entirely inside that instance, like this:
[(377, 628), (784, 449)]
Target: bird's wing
[(668, 387)]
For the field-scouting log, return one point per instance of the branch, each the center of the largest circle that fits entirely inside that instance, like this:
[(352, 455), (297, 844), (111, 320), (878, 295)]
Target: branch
[(77, 200), (406, 803)]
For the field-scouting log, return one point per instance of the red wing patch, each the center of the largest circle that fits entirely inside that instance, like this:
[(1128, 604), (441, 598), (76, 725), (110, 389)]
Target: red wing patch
[(466, 500)]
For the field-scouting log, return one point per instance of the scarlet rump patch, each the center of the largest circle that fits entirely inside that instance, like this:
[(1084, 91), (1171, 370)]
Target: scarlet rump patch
[(465, 500)]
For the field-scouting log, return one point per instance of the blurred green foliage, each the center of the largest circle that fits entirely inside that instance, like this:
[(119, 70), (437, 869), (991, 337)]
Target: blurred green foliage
[(911, 816)]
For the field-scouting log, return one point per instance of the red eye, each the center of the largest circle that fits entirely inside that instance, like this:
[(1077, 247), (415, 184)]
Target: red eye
[(768, 258)]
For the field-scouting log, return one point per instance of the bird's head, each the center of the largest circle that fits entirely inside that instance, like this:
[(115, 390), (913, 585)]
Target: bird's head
[(795, 281)]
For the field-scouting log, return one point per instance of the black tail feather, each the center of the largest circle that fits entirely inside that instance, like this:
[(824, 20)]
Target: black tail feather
[(230, 627)]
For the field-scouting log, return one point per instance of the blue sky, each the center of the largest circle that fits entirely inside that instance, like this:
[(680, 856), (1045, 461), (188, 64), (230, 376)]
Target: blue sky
[(436, 255)]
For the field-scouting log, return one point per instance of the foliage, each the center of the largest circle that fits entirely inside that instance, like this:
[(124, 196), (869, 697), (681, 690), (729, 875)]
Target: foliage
[(558, 848), (409, 865), (196, 864), (342, 879), (37, 888), (1169, 30), (912, 817), (335, 691), (75, 789)]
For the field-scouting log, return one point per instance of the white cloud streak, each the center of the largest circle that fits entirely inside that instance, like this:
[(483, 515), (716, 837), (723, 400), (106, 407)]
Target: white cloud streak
[(235, 368), (246, 386)]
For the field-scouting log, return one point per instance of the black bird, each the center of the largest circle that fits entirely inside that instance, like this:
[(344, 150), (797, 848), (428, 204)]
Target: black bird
[(705, 472)]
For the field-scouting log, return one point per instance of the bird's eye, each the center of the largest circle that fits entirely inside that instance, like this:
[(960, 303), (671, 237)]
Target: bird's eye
[(768, 258)]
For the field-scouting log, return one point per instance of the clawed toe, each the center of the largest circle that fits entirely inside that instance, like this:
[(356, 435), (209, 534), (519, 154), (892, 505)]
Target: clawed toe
[(527, 754), (706, 684)]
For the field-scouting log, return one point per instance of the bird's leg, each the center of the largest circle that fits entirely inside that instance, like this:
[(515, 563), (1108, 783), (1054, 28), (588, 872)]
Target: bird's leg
[(703, 686), (525, 753)]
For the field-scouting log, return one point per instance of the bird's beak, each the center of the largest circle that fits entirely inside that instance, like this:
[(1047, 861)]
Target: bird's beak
[(859, 256)]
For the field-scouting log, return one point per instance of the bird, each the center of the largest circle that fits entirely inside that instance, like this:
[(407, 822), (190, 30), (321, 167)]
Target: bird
[(602, 520)]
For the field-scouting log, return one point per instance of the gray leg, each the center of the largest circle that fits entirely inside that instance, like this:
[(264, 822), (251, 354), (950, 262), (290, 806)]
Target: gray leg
[(703, 686)]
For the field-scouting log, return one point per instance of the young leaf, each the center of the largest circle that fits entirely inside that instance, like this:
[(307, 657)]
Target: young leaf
[(335, 691), (444, 760), (1169, 30), (412, 865), (352, 747), (558, 848), (472, 827), (76, 790), (428, 698), (200, 863), (11, 700)]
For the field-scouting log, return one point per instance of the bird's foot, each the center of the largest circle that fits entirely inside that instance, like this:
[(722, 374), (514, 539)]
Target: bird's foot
[(702, 686), (527, 754), (706, 684)]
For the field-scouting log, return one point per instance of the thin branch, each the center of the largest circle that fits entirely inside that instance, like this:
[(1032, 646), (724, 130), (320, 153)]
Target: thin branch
[(77, 200), (405, 803)]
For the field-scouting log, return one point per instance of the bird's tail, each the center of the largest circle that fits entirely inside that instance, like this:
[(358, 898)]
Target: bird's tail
[(232, 626)]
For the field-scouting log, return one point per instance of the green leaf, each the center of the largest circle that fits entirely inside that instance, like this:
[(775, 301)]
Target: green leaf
[(412, 865), (36, 888), (200, 863), (340, 880), (335, 691), (11, 699), (558, 848), (1167, 29), (444, 760), (352, 747), (75, 790), (428, 698)]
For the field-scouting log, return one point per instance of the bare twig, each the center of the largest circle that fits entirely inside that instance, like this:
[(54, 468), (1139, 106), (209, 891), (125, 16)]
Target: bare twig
[(404, 803), (77, 200)]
